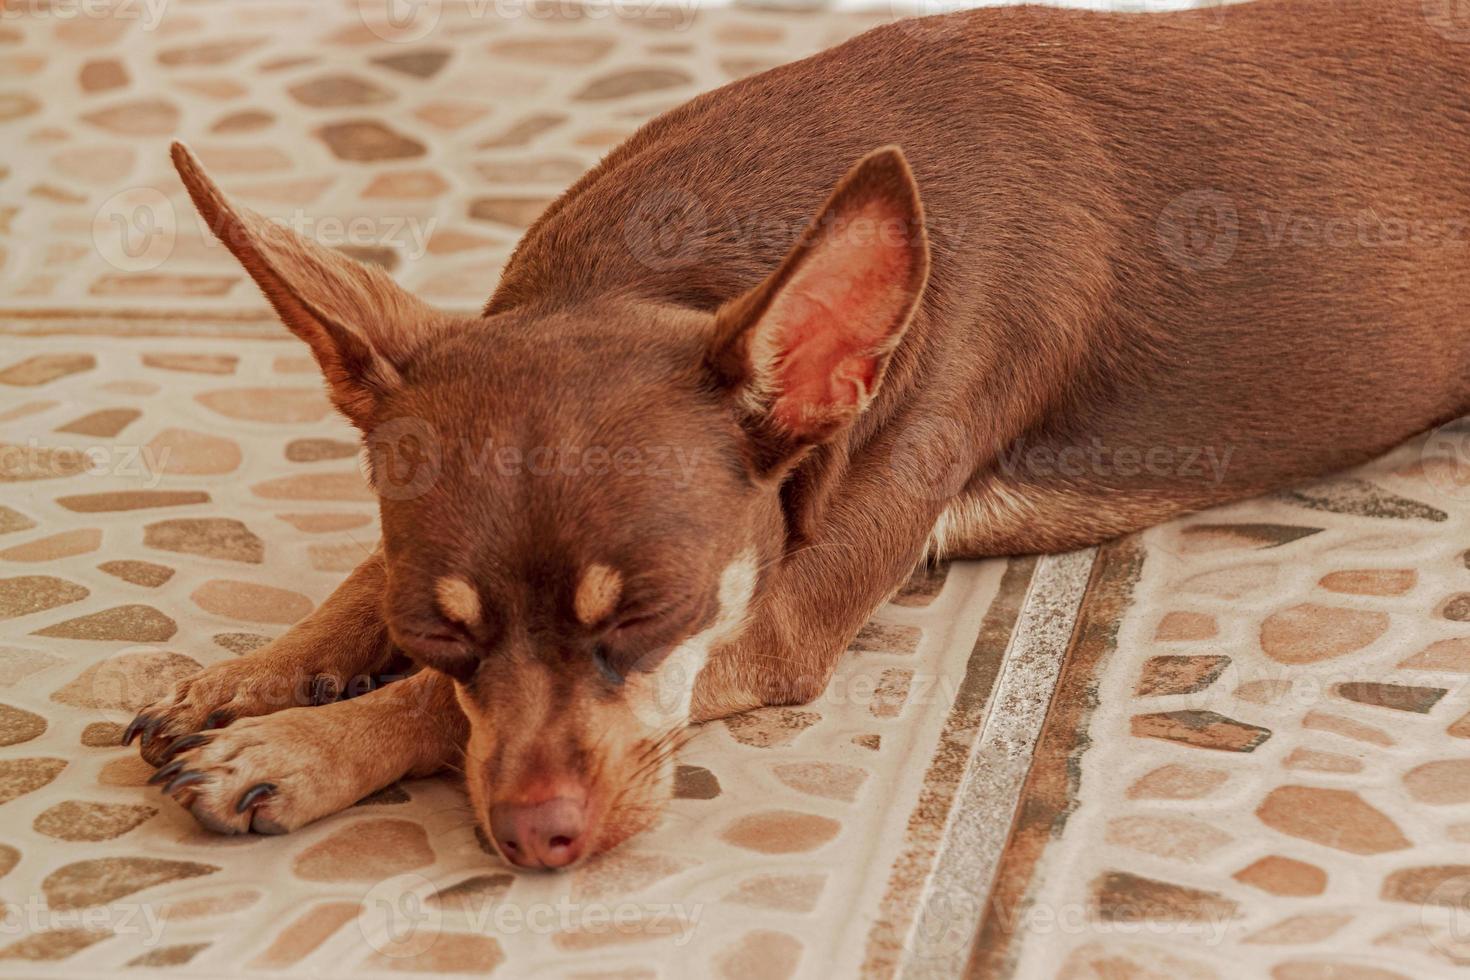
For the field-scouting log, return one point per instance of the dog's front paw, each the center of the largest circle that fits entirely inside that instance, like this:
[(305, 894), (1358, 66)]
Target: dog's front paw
[(268, 774), (216, 697)]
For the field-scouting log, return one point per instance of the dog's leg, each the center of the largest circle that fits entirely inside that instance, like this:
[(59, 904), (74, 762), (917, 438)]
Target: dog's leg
[(822, 594), (334, 650), (275, 773)]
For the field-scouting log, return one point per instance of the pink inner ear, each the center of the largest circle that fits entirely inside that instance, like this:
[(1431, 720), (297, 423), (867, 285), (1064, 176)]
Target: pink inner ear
[(833, 320)]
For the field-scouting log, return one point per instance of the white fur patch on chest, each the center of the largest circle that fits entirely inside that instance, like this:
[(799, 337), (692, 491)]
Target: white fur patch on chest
[(663, 697)]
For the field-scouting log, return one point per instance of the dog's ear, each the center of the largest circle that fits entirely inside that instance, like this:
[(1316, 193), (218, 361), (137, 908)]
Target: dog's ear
[(357, 321), (805, 351)]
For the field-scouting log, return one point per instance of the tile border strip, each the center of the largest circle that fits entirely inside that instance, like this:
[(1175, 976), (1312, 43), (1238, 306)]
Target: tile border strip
[(1049, 794), (950, 905)]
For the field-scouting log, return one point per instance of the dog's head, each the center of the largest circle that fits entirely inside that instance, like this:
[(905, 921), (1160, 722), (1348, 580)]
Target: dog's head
[(580, 502)]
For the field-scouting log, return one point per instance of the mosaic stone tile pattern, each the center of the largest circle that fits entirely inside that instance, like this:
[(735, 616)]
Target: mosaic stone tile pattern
[(170, 502), (424, 145), (1270, 777)]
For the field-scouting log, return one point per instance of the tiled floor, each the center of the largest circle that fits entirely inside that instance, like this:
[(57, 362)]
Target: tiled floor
[(175, 501), (1253, 764)]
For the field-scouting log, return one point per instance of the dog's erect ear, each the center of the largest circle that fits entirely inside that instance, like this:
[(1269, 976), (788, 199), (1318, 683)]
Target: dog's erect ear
[(359, 323), (806, 350)]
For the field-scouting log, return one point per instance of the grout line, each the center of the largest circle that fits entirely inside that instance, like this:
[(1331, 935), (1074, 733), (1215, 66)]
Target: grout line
[(953, 900)]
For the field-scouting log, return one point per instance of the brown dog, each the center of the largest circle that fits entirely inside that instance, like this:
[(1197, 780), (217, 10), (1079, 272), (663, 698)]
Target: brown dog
[(1170, 260)]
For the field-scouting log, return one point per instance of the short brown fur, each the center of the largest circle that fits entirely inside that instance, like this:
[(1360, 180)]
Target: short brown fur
[(846, 409)]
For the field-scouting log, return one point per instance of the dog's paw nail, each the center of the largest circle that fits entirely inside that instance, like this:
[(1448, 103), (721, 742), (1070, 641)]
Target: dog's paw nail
[(254, 795), (188, 777), (134, 727), (166, 773), (217, 719), (183, 745), (150, 728)]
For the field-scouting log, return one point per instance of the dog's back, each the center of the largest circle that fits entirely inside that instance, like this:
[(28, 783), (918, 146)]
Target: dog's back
[(1235, 228)]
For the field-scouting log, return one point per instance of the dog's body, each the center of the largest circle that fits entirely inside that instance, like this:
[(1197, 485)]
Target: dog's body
[(1170, 260)]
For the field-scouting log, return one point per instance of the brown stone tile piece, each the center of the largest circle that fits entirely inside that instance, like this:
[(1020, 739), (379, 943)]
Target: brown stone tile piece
[(763, 953), (1176, 838), (124, 500), (45, 368), (420, 63), (781, 832), (102, 734), (53, 944), (1121, 896), (514, 211), (165, 956), (1331, 970), (367, 140), (1201, 729), (315, 450), (189, 453), (347, 486), (619, 873), (1335, 818), (1360, 498), (191, 363), (78, 820), (1176, 626), (367, 850), (63, 545), (779, 892), (1448, 656), (1378, 581), (1177, 782), (1440, 783), (1446, 885), (104, 423), (144, 573), (324, 523), (1318, 761), (241, 643), (1399, 697), (127, 681), (770, 727), (13, 520), (1300, 929), (1175, 674), (474, 893), (1346, 727), (26, 594), (135, 623), (97, 881), (886, 638), (1219, 537), (695, 783), (338, 89), (210, 537), (441, 951), (20, 464), (268, 404), (306, 934), (632, 81), (1283, 876), (21, 776), (1309, 632), (251, 602), (18, 725), (832, 780), (210, 53)]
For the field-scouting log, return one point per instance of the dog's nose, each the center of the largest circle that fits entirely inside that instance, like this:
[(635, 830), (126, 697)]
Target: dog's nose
[(548, 834)]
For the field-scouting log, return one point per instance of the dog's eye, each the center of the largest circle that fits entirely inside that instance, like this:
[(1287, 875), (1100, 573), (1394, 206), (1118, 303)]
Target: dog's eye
[(599, 657), (444, 652)]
